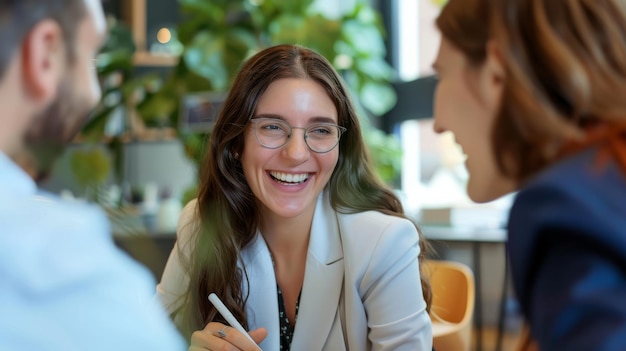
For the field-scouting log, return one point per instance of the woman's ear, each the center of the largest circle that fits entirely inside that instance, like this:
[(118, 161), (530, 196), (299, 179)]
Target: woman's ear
[(43, 60), (493, 75)]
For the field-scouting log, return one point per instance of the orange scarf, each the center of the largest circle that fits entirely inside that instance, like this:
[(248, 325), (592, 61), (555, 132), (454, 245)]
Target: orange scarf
[(609, 137)]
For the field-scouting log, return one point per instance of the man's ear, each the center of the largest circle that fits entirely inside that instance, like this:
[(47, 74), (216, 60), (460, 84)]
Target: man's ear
[(43, 60), (493, 75)]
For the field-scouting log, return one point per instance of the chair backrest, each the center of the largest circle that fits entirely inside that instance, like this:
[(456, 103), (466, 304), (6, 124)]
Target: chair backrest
[(452, 305), (525, 341)]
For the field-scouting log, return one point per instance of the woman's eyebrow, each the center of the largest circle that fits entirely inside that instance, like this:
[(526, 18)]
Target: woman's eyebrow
[(314, 119), (322, 119), (269, 115)]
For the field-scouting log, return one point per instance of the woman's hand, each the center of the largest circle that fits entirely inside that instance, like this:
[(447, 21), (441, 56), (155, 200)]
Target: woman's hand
[(217, 336)]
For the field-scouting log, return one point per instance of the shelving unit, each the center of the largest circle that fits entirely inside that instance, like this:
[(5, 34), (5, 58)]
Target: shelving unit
[(145, 58), (134, 14)]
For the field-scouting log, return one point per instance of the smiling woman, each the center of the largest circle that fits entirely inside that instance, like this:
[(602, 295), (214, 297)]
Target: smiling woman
[(538, 106), (301, 102), (292, 228), (476, 92)]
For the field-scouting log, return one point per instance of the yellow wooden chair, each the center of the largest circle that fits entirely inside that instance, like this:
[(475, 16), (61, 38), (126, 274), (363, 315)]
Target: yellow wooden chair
[(452, 305)]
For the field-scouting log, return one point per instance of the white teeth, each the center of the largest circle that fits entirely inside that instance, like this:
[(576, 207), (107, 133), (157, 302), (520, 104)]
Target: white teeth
[(290, 178)]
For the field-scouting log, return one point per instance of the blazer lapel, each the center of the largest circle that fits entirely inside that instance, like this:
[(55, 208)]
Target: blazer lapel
[(323, 280), (262, 304)]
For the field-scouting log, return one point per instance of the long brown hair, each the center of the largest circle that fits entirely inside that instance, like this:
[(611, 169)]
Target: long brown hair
[(565, 66), (227, 210)]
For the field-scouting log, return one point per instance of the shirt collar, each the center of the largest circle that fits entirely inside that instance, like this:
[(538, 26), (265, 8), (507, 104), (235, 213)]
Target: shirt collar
[(13, 179)]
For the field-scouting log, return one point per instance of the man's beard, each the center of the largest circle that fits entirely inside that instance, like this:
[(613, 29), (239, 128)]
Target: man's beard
[(51, 130)]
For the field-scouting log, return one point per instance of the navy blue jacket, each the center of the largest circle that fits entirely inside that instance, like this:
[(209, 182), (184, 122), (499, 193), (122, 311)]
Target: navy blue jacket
[(567, 248)]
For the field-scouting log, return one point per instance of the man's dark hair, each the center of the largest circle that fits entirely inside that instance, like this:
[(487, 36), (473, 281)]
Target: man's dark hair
[(18, 17)]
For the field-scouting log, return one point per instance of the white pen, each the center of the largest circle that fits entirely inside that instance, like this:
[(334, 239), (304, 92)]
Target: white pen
[(221, 308)]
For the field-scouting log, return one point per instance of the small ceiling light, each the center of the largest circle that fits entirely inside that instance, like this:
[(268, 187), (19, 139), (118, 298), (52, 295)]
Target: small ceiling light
[(164, 35)]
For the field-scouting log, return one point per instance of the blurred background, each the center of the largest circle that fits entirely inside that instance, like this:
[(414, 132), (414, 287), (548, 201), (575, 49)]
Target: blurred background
[(168, 63), (166, 67)]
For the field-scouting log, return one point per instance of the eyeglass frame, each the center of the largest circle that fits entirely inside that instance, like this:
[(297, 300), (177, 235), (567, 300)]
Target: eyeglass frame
[(341, 130)]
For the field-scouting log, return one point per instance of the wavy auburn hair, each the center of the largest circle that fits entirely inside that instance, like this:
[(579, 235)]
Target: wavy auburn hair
[(565, 67), (227, 210)]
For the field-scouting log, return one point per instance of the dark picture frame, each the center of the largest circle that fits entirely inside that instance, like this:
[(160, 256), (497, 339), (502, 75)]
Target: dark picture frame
[(198, 111)]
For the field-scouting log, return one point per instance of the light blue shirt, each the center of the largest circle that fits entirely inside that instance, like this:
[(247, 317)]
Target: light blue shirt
[(63, 283)]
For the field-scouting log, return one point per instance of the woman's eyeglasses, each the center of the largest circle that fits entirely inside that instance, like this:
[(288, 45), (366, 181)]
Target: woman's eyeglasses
[(274, 133)]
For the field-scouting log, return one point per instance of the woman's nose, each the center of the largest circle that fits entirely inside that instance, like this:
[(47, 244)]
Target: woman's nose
[(296, 147)]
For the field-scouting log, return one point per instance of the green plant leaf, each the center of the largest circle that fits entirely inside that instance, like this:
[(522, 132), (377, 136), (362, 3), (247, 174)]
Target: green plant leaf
[(116, 150), (148, 82), (375, 68), (91, 166), (353, 80), (378, 97), (119, 38), (316, 32), (322, 34), (366, 15), (240, 43), (365, 39), (204, 56), (195, 146), (113, 61), (386, 153), (293, 6), (156, 110), (288, 28), (212, 11), (93, 131), (187, 30)]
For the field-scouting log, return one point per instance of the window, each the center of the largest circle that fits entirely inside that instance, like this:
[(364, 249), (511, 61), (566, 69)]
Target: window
[(416, 40)]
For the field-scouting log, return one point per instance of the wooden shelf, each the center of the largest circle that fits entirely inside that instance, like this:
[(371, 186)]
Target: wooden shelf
[(144, 58)]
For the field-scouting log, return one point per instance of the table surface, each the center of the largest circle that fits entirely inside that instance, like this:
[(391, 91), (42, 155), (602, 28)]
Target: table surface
[(432, 232), (464, 234)]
